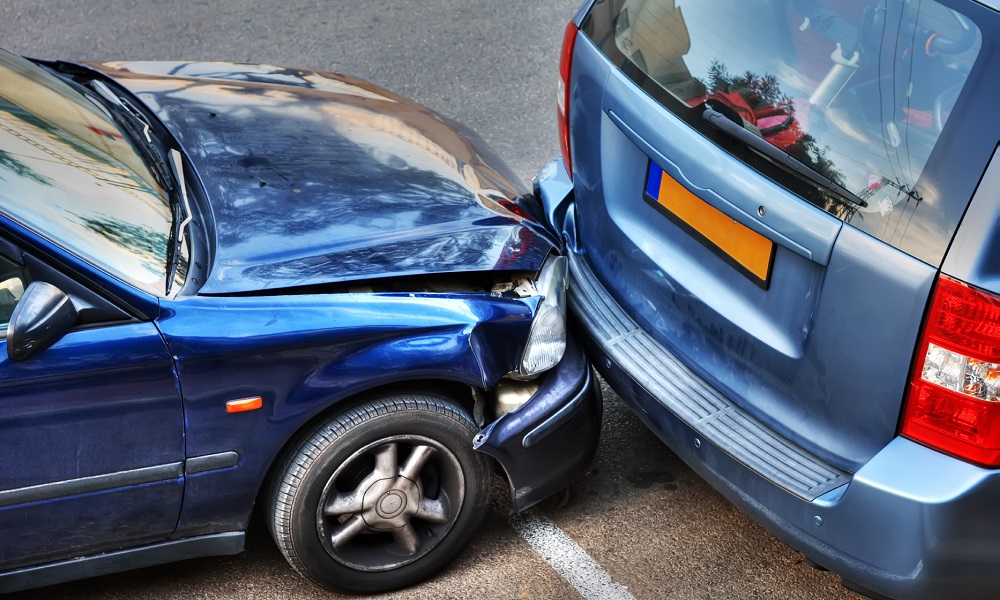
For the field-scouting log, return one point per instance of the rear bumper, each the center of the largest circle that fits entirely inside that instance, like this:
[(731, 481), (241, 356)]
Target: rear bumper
[(548, 442), (912, 523)]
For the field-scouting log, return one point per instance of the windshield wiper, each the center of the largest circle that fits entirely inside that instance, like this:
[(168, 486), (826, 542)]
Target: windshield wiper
[(182, 216), (136, 125), (138, 128), (738, 132)]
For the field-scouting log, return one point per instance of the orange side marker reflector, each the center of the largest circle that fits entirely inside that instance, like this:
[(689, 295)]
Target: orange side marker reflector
[(244, 404)]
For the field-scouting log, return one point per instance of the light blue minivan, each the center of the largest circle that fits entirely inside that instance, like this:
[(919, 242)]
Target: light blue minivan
[(784, 241)]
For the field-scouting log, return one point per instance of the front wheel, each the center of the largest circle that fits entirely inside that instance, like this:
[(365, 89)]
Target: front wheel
[(381, 496)]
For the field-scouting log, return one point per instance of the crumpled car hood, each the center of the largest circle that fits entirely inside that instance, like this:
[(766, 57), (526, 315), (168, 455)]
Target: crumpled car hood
[(315, 178)]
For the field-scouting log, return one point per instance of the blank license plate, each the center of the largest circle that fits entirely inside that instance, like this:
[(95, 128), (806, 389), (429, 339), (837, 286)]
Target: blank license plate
[(744, 249)]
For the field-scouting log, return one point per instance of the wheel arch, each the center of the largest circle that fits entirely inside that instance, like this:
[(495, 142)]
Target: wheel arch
[(307, 377), (343, 479), (458, 392)]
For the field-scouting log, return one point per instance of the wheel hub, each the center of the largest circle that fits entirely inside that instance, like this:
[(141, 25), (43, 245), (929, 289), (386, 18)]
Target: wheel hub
[(389, 503), (391, 480)]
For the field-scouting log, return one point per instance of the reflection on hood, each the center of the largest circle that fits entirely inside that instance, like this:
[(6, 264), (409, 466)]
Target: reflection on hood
[(314, 178)]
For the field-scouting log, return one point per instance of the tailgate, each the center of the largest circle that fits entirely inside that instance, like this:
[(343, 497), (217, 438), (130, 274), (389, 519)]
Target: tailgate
[(801, 308)]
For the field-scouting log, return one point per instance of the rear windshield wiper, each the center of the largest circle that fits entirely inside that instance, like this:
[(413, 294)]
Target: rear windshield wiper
[(129, 118), (724, 124)]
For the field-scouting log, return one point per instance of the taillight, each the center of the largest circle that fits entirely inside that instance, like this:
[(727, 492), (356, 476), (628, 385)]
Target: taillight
[(953, 403), (562, 95)]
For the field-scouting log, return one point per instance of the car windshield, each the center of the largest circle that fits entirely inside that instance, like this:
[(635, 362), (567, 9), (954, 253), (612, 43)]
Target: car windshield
[(70, 174), (858, 90)]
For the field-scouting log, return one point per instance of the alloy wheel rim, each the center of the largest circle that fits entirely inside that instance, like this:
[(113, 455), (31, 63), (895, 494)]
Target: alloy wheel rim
[(390, 503)]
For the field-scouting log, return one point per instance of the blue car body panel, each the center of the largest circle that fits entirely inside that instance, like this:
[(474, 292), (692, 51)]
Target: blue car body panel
[(975, 254), (303, 355), (893, 527), (762, 346), (346, 250), (903, 536), (786, 399), (530, 443), (315, 178), (124, 394)]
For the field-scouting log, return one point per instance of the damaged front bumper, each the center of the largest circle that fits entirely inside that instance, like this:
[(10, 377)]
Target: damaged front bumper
[(550, 440)]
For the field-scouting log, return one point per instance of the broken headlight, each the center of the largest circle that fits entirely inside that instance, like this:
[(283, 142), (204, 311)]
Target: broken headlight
[(547, 341)]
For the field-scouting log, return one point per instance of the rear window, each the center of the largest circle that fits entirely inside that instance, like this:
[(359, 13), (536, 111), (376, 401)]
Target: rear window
[(861, 91)]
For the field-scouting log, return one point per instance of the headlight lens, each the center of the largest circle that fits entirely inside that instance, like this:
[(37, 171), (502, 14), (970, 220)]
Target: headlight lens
[(547, 341)]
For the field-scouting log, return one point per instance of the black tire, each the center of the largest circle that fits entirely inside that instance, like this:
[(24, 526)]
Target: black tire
[(439, 490)]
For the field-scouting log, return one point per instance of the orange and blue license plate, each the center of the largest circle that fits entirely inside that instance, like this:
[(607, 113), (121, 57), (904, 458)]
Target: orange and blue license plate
[(744, 249)]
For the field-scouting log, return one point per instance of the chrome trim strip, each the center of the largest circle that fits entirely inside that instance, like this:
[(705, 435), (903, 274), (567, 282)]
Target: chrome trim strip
[(94, 483), (210, 462)]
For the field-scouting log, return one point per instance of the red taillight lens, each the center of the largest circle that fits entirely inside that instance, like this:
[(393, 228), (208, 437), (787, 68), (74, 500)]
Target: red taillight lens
[(562, 95), (953, 402)]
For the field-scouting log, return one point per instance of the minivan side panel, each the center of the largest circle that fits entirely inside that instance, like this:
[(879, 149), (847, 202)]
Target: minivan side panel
[(974, 257)]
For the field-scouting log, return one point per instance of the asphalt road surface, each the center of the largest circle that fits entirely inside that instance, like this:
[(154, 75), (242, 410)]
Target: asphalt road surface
[(640, 523)]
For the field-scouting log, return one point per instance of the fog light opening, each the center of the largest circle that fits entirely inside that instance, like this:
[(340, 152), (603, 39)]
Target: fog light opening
[(511, 394)]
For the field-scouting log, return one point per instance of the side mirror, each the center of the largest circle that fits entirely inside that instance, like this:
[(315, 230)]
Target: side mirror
[(42, 316)]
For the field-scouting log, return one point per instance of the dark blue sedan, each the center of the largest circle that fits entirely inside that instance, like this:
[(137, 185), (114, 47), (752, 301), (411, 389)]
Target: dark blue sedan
[(227, 286)]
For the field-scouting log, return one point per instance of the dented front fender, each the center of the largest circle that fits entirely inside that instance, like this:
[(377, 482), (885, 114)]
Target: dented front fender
[(304, 355)]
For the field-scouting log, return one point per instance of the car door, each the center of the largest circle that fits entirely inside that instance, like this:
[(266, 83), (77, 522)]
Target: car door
[(91, 429)]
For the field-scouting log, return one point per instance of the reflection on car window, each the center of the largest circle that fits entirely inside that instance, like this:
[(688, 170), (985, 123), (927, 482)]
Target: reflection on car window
[(11, 290), (68, 173), (860, 90)]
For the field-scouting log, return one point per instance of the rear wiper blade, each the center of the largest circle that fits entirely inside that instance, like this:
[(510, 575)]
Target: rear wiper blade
[(724, 124), (138, 128)]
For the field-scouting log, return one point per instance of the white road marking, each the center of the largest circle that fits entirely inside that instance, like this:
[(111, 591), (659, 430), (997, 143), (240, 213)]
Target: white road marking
[(568, 559)]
